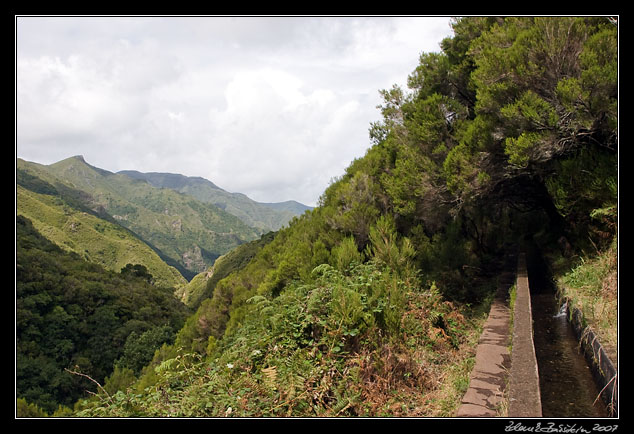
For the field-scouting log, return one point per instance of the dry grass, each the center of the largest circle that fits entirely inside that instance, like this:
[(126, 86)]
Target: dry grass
[(427, 373)]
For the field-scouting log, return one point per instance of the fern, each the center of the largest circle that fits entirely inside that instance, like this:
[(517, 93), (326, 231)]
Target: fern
[(270, 377)]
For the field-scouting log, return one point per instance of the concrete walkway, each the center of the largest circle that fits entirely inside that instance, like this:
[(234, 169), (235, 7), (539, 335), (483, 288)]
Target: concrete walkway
[(485, 396), (524, 391), (499, 378)]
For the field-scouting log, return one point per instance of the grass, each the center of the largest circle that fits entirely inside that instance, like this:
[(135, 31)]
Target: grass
[(93, 239), (190, 233), (512, 298), (592, 287), (454, 376)]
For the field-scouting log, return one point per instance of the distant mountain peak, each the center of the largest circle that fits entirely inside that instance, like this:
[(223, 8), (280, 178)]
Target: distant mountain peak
[(80, 161), (168, 180)]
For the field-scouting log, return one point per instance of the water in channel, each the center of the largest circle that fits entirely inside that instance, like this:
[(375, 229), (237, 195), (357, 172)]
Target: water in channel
[(566, 382)]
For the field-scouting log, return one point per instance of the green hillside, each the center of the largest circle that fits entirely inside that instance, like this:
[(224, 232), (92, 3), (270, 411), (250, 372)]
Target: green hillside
[(203, 286), (187, 233), (94, 239), (263, 216)]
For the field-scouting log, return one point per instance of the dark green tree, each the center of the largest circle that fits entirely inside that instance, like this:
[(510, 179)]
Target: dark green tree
[(71, 314)]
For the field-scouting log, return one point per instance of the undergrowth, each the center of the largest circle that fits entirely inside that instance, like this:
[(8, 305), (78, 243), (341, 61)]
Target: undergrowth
[(592, 286), (364, 342)]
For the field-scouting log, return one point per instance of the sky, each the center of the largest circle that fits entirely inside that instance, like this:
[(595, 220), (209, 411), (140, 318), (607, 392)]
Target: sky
[(272, 107)]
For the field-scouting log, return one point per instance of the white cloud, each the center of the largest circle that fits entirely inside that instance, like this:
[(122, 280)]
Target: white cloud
[(66, 102), (274, 134), (273, 107)]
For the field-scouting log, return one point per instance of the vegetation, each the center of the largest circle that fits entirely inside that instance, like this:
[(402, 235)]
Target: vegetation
[(591, 285), (203, 285), (73, 314), (96, 240), (367, 340), (262, 216), (186, 233), (371, 303)]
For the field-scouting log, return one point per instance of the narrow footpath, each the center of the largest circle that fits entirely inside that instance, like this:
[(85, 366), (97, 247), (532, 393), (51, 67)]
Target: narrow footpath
[(486, 394)]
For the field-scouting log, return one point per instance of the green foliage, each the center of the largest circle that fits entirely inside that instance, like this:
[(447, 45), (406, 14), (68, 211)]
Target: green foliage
[(388, 250), (590, 284), (187, 233), (120, 380), (139, 348), (354, 208), (409, 181), (589, 200), (346, 255), (360, 306), (543, 90), (137, 270), (534, 118), (24, 409), (71, 313), (519, 149), (299, 354), (592, 94), (460, 170)]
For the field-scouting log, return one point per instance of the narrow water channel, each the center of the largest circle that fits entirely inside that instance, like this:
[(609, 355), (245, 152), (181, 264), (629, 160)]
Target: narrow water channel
[(567, 386)]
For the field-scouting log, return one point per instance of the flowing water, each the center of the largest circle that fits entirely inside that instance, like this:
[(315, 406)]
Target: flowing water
[(567, 386)]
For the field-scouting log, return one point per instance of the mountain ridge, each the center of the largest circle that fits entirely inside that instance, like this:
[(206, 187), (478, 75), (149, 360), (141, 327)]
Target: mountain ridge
[(265, 216), (184, 231), (163, 208)]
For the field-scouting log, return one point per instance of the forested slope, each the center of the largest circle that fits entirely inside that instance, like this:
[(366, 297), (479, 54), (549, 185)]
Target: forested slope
[(73, 314), (188, 234), (367, 305)]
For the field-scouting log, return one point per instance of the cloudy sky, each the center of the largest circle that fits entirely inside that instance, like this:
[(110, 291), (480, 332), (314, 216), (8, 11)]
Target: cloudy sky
[(273, 107)]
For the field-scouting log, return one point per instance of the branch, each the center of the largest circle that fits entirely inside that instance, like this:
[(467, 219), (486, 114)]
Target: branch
[(91, 379)]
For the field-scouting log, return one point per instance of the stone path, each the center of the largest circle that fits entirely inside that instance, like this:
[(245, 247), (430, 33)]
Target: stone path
[(487, 386)]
